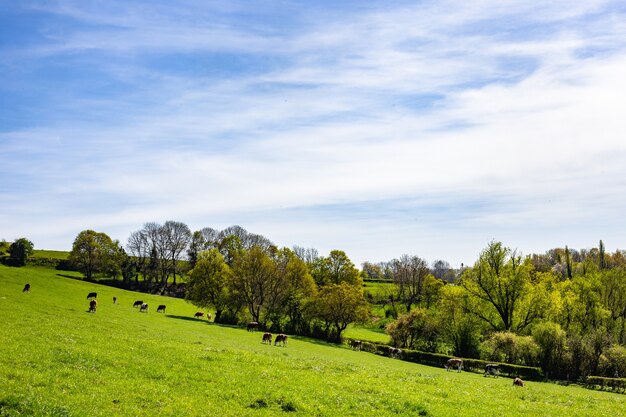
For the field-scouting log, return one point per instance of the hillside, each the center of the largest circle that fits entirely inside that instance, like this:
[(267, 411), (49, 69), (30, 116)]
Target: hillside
[(58, 359)]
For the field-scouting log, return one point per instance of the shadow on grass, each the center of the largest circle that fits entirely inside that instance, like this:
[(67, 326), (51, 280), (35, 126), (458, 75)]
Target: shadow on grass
[(188, 318)]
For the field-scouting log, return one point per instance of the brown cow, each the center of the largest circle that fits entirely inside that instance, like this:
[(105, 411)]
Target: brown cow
[(356, 344), (518, 382), (93, 304), (267, 338), (26, 288), (454, 363), (282, 339), (253, 326), (198, 315)]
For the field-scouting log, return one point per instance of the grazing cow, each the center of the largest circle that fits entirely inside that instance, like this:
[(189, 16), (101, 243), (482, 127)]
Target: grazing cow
[(92, 295), (93, 304), (198, 315), (26, 288), (114, 300), (143, 308), (454, 363), (394, 352), (253, 326), (161, 308), (518, 382), (138, 303), (356, 344), (282, 339), (267, 338), (492, 369)]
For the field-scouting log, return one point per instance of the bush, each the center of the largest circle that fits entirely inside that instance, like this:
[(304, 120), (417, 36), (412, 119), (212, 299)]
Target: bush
[(615, 384), (438, 360)]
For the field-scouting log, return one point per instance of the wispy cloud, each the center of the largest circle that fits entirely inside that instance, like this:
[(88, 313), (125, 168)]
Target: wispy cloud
[(427, 129)]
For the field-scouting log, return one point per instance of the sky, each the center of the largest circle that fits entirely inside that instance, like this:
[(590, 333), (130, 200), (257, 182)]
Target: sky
[(426, 128)]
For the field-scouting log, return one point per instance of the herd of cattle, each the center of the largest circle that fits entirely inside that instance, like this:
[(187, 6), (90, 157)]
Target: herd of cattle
[(492, 369)]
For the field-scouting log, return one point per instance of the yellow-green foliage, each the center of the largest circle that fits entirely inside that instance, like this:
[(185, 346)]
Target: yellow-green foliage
[(57, 359)]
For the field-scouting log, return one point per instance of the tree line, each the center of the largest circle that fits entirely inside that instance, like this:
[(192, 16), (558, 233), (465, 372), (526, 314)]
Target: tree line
[(564, 310)]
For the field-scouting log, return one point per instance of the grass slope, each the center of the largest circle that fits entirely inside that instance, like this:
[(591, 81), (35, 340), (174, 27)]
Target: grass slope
[(57, 359)]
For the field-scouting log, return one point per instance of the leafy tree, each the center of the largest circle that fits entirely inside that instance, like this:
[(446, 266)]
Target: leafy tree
[(418, 329), (552, 342), (510, 348), (500, 280), (335, 269), (20, 250), (93, 252), (254, 277), (338, 305), (208, 285), (299, 287), (461, 330)]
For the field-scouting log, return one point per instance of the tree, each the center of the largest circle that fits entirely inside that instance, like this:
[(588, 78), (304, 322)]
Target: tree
[(300, 287), (442, 270), (461, 330), (20, 250), (254, 277), (417, 329), (93, 252), (177, 236), (335, 269), (601, 256), (208, 284), (500, 280), (409, 274), (338, 305), (552, 342)]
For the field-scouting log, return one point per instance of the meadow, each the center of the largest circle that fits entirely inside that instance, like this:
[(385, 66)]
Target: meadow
[(59, 360)]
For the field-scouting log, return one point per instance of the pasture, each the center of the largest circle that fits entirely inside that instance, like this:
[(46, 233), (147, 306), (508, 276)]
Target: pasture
[(59, 360)]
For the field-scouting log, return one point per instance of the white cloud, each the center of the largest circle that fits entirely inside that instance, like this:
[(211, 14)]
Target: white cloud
[(529, 127)]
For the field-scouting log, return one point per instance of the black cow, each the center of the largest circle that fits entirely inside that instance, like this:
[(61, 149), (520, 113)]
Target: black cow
[(143, 308), (92, 295), (395, 352), (267, 338), (198, 315), (356, 344), (114, 300), (281, 339), (492, 369), (161, 308), (253, 326), (138, 303), (26, 288)]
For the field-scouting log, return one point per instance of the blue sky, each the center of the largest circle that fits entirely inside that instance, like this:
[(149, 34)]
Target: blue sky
[(427, 128)]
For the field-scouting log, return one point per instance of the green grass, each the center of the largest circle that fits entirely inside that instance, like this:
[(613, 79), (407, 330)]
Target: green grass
[(380, 289), (362, 333), (54, 254), (58, 360)]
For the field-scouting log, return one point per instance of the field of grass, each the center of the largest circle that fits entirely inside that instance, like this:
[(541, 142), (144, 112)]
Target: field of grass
[(54, 254), (59, 360)]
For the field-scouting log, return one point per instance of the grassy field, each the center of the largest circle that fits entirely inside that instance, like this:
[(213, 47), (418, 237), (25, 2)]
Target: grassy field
[(56, 254), (59, 360)]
